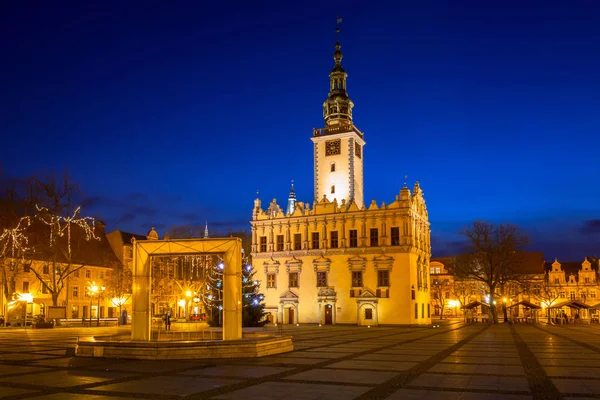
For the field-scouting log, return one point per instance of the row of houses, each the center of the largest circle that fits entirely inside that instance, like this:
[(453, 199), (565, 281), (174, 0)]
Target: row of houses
[(550, 285)]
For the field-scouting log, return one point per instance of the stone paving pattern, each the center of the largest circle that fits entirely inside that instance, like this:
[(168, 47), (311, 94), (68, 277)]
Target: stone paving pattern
[(455, 361)]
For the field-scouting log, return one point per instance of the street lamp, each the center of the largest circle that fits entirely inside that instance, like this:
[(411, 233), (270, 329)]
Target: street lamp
[(95, 290)]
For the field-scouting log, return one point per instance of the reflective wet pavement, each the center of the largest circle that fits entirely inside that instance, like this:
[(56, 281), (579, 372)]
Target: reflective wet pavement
[(455, 361)]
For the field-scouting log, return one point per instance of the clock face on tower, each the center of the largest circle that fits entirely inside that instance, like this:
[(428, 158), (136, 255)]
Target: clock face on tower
[(332, 147)]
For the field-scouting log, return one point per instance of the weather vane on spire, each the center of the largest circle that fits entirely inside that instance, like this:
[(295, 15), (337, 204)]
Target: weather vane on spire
[(338, 21)]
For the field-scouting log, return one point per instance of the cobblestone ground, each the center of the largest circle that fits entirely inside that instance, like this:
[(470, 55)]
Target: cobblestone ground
[(454, 361)]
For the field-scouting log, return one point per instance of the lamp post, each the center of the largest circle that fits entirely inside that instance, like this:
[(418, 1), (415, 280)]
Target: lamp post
[(95, 290), (504, 309)]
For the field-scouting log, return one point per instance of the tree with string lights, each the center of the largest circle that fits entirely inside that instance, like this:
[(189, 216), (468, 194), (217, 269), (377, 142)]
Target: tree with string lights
[(253, 312)]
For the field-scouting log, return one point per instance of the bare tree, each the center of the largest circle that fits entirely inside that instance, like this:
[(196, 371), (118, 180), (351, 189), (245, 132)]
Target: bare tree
[(440, 291), (545, 292), (59, 232), (493, 257), (119, 287)]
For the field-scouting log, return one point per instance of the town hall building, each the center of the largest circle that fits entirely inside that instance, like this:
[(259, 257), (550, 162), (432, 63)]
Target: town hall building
[(338, 260)]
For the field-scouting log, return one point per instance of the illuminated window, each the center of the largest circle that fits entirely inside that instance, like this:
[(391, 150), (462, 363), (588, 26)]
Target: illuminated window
[(263, 244), (74, 311), (374, 236), (334, 239), (353, 238), (321, 279), (383, 277), (315, 240), (395, 236), (293, 279), (271, 281), (357, 279), (297, 241)]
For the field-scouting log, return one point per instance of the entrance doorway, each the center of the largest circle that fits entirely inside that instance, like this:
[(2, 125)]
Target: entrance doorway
[(328, 314), (290, 315)]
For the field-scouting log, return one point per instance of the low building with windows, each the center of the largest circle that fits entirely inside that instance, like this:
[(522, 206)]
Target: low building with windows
[(545, 284), (338, 260), (83, 271)]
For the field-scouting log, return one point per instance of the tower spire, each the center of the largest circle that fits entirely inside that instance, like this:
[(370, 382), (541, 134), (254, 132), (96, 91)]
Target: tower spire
[(291, 201), (337, 109), (206, 230)]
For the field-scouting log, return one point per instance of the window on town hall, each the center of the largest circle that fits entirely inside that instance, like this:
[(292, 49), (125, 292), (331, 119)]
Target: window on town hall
[(572, 295), (556, 281), (25, 287), (395, 236), (334, 239), (561, 295), (587, 280), (332, 189), (315, 240), (431, 270), (321, 279), (332, 167), (357, 279), (26, 268), (374, 237), (353, 238), (417, 310), (271, 280), (75, 292), (383, 277), (279, 242), (293, 279), (76, 274), (45, 270), (101, 275), (263, 244), (88, 274), (437, 270), (593, 294), (297, 241), (368, 313)]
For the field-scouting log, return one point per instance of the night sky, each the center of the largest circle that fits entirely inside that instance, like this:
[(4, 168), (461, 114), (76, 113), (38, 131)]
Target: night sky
[(173, 113)]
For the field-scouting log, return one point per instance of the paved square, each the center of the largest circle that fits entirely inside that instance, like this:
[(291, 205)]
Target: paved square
[(456, 361)]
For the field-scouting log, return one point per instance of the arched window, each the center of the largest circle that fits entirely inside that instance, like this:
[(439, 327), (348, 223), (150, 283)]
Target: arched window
[(332, 167), (332, 189)]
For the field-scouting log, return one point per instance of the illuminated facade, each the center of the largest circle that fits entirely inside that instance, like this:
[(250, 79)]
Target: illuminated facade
[(338, 260), (541, 283), (92, 262)]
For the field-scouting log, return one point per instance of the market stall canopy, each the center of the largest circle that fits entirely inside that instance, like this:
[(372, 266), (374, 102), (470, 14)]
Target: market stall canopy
[(527, 304), (571, 304), (473, 304)]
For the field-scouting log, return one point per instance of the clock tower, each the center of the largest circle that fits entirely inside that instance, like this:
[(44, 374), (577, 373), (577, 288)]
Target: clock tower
[(338, 147)]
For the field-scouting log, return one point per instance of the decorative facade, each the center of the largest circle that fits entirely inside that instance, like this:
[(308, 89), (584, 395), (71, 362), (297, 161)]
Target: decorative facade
[(338, 260)]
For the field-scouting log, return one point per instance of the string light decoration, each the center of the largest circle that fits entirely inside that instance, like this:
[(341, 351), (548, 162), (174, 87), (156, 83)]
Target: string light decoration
[(59, 225), (14, 241), (195, 279)]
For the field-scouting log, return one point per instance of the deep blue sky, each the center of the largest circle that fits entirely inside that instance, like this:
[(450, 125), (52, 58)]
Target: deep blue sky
[(170, 113)]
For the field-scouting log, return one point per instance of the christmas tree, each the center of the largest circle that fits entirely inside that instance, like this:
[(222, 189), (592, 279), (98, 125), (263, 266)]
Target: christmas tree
[(253, 313)]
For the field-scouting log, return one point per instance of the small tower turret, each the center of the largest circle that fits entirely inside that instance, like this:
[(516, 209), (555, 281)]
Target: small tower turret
[(291, 201)]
